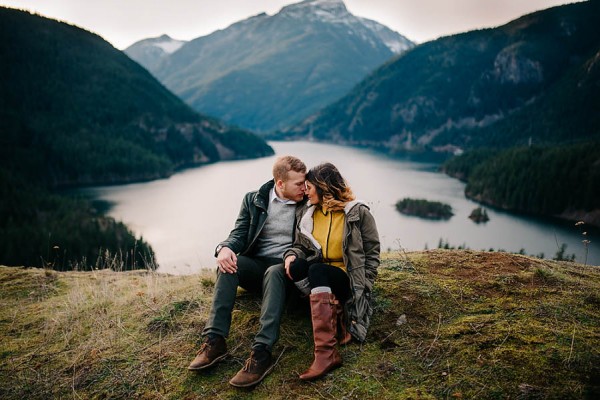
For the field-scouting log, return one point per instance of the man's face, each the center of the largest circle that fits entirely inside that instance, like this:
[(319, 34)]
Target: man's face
[(293, 187)]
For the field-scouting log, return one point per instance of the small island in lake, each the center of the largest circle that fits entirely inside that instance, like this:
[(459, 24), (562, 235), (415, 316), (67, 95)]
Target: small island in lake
[(424, 208), (479, 215)]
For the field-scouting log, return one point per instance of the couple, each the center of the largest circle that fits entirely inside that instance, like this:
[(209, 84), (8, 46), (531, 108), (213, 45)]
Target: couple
[(329, 249)]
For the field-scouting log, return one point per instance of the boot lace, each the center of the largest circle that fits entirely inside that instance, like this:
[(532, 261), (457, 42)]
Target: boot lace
[(249, 363), (205, 346)]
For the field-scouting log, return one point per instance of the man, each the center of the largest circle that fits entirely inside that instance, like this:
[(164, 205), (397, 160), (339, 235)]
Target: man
[(251, 257)]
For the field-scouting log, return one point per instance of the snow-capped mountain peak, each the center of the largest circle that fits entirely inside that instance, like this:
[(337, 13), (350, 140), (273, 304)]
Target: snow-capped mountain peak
[(325, 10), (165, 43), (149, 52), (335, 12), (168, 45)]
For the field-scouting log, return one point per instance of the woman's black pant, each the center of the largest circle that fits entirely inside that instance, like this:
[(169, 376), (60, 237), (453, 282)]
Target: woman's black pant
[(320, 274)]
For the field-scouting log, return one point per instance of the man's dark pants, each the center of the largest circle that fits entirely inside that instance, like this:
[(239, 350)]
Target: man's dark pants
[(254, 274)]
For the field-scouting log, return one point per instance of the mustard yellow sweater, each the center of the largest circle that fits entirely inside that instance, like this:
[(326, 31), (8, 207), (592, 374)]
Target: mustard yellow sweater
[(328, 230)]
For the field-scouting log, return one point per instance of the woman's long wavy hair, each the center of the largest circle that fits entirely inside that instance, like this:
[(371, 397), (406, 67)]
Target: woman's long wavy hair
[(331, 187)]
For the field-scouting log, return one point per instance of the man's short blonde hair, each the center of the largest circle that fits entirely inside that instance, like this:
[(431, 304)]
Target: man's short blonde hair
[(284, 164)]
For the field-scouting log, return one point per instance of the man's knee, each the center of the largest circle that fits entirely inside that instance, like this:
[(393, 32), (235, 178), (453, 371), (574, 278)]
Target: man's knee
[(226, 279), (276, 271)]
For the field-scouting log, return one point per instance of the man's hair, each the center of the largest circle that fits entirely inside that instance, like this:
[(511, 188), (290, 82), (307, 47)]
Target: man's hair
[(284, 164)]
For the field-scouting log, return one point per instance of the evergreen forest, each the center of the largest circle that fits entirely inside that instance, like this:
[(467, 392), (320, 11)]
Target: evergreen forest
[(541, 180)]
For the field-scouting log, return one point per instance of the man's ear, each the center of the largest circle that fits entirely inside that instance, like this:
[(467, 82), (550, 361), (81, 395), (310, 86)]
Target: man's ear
[(279, 183)]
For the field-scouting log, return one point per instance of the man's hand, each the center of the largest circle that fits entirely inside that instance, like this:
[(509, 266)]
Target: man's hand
[(227, 261), (288, 261)]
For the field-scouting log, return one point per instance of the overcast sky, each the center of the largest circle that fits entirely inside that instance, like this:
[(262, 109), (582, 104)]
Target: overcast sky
[(123, 22)]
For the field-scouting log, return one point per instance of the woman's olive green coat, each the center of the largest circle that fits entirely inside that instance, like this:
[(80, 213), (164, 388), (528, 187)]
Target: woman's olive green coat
[(361, 256)]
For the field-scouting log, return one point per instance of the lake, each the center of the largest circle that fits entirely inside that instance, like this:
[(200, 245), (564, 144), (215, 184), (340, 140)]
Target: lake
[(185, 216)]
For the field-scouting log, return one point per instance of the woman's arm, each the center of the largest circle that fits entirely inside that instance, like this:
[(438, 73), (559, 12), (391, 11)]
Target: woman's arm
[(371, 245)]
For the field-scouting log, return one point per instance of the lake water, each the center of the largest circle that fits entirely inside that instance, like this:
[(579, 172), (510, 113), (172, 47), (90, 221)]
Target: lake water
[(185, 216)]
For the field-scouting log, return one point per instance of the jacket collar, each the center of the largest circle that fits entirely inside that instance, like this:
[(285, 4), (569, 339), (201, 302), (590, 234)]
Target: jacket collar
[(261, 199), (307, 223), (352, 209)]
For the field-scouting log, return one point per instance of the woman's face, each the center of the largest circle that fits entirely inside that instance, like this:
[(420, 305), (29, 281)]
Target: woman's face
[(311, 193)]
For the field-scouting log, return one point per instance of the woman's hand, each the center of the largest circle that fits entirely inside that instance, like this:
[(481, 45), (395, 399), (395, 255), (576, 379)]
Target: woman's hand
[(287, 262)]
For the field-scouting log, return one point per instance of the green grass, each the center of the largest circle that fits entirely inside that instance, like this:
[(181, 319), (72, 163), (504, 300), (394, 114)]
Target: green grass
[(447, 324)]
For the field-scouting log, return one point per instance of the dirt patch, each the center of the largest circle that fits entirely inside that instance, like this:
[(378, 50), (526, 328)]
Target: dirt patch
[(476, 266)]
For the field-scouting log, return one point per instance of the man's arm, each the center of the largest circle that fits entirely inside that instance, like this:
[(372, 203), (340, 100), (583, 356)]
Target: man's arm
[(238, 236), (236, 241)]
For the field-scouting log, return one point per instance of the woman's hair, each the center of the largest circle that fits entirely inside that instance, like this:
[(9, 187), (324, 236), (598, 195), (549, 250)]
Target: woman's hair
[(331, 187), (285, 164)]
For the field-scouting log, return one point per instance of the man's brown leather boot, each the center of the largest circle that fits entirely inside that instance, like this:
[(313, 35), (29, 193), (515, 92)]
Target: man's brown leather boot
[(213, 350)]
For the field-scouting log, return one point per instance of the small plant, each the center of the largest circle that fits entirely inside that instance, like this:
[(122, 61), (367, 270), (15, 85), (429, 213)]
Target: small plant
[(402, 261), (444, 244), (561, 254), (207, 283), (380, 302), (586, 242), (543, 274)]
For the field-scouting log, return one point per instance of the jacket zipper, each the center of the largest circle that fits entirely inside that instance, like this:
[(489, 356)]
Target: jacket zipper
[(328, 234)]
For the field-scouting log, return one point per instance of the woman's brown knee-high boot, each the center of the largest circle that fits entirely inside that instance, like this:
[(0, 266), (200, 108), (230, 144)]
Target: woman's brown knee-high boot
[(324, 321), (343, 335)]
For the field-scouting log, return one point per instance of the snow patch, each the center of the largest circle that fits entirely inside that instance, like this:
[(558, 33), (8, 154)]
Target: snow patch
[(335, 12), (170, 46)]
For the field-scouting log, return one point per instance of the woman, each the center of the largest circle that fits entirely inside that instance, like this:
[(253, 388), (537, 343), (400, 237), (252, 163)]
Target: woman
[(334, 259)]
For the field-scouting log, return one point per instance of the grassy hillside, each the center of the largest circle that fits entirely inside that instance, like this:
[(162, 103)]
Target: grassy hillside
[(447, 324)]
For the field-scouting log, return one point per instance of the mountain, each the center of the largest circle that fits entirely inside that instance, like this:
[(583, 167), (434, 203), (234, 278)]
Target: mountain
[(150, 52), (75, 110), (560, 180), (534, 78), (267, 72)]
